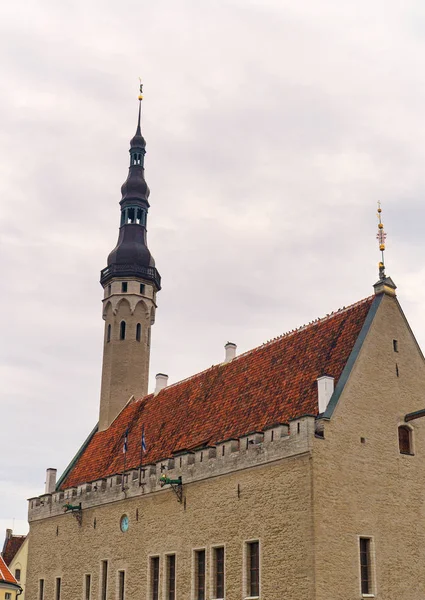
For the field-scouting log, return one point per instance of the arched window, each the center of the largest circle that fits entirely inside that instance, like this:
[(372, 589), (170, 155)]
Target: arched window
[(122, 330), (405, 440), (138, 331), (108, 335)]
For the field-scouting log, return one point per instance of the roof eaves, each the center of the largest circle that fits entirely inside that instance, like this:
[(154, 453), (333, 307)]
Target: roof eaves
[(76, 458), (346, 372)]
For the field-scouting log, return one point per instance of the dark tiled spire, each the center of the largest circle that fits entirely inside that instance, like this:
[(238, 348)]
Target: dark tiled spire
[(131, 256)]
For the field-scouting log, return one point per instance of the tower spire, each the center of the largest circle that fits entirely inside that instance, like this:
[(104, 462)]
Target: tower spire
[(381, 236), (130, 282)]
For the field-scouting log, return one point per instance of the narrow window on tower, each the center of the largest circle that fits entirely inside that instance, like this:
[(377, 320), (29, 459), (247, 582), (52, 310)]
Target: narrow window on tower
[(142, 288), (405, 440), (87, 587), (104, 580), (108, 334), (41, 589), (123, 218), (218, 572), (109, 290), (171, 577), (18, 574), (58, 588), (124, 287), (365, 566), (121, 585), (200, 575), (122, 330), (154, 577), (138, 331), (253, 569)]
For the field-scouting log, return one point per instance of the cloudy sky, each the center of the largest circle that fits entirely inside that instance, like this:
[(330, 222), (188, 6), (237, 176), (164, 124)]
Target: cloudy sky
[(273, 127)]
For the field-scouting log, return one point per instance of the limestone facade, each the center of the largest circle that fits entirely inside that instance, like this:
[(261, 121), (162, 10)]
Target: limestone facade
[(129, 304), (306, 498)]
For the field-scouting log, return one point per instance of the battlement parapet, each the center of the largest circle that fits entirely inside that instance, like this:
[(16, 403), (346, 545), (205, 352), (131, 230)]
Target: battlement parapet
[(254, 449)]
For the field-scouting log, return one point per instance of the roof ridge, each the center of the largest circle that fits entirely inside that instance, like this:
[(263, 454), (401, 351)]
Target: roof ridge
[(266, 344)]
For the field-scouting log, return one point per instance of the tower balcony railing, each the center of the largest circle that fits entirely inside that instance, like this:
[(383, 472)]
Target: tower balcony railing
[(131, 270)]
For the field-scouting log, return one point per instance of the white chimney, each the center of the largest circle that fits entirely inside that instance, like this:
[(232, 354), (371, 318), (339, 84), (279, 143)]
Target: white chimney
[(325, 389), (230, 349), (50, 481), (161, 382)]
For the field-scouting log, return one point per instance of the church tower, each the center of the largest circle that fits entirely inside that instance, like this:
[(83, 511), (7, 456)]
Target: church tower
[(130, 282)]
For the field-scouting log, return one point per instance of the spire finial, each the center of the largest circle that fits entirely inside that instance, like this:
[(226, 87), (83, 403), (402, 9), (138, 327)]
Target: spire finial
[(381, 236), (140, 97)]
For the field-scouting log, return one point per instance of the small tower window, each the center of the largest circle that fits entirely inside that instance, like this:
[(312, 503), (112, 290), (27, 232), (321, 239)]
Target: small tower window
[(405, 439), (395, 345), (142, 288), (124, 287), (108, 335), (109, 290), (122, 330), (138, 331)]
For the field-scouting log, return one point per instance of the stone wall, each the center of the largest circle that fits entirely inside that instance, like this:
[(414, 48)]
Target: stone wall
[(259, 491)]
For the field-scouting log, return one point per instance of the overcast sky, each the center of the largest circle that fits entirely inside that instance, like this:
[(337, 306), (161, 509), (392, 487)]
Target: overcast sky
[(273, 127)]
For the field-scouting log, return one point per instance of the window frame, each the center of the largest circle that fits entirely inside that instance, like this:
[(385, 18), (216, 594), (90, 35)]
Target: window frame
[(247, 582), (17, 575), (167, 588), (409, 430), (152, 558), (213, 574), (372, 571), (195, 573), (87, 586), (58, 588), (121, 579), (41, 589), (103, 579)]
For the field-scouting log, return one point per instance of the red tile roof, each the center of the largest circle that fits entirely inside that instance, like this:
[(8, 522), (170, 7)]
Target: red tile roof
[(11, 547), (271, 384), (5, 575)]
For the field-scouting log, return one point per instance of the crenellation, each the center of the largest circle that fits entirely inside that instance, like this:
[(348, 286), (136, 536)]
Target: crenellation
[(255, 449)]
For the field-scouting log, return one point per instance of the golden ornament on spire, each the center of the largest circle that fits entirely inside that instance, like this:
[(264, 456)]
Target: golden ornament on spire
[(381, 236), (140, 97)]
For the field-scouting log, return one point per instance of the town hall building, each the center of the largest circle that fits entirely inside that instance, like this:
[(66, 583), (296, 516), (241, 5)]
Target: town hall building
[(294, 471)]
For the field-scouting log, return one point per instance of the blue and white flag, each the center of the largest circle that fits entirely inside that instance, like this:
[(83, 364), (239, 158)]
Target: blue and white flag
[(125, 446), (143, 441)]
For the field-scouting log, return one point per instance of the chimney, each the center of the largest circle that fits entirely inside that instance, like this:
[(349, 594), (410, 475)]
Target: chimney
[(325, 389), (230, 349), (161, 382), (50, 481), (9, 533)]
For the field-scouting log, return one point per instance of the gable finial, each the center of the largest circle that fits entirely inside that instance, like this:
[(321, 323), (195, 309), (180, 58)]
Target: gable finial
[(381, 236), (140, 97)]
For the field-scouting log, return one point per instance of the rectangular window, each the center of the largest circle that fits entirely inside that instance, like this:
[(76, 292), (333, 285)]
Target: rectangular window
[(218, 572), (365, 566), (104, 580), (171, 577), (121, 585), (142, 288), (395, 345), (253, 569), (8, 596), (18, 574), (87, 587), (124, 286), (200, 575), (154, 577), (58, 588), (41, 589)]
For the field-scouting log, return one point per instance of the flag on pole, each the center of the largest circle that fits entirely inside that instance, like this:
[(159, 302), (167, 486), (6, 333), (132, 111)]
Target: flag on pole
[(143, 441), (125, 446)]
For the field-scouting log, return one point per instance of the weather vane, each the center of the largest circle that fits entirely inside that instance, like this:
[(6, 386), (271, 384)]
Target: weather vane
[(140, 89), (381, 236)]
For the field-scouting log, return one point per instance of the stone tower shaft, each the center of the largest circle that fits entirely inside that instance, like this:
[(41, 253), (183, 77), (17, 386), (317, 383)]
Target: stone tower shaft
[(130, 282)]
